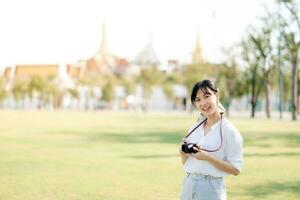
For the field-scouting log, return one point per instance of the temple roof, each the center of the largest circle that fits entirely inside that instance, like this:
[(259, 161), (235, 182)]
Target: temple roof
[(147, 55), (43, 70)]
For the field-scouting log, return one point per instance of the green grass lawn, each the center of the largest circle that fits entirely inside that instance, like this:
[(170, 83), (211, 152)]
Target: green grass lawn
[(133, 156)]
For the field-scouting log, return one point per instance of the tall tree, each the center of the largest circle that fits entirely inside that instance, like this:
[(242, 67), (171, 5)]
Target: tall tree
[(230, 84), (108, 90), (261, 38), (148, 78), (168, 85), (19, 91), (253, 74), (194, 73), (229, 78), (291, 31), (37, 85), (3, 92)]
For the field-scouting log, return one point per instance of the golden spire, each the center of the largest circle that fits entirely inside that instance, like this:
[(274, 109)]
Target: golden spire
[(197, 54), (104, 45)]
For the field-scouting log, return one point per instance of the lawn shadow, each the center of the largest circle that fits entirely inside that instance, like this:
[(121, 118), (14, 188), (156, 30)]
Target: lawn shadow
[(289, 139), (271, 188), (151, 156), (271, 154), (146, 137)]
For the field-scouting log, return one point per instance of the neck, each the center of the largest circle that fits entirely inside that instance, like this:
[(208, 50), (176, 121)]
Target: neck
[(211, 119)]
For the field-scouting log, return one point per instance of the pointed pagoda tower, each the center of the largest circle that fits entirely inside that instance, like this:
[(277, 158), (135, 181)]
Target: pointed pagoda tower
[(103, 61), (147, 56), (197, 53), (103, 53)]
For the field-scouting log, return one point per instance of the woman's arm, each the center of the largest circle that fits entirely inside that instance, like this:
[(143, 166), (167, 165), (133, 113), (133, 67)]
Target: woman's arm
[(220, 164), (183, 156), (223, 165)]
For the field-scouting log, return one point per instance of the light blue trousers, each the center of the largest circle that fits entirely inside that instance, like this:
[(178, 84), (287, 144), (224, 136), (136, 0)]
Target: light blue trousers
[(203, 187)]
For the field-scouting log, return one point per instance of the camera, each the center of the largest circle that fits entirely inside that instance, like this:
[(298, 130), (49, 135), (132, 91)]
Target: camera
[(188, 147)]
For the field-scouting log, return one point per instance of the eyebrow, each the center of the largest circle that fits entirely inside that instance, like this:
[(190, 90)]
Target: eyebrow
[(203, 95)]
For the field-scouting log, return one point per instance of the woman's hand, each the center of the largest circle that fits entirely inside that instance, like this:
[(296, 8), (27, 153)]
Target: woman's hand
[(182, 154), (200, 155), (180, 151)]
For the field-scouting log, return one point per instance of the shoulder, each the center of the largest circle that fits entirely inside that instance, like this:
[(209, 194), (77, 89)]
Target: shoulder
[(194, 125), (230, 130)]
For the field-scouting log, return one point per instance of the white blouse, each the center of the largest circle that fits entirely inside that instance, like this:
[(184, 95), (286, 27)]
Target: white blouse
[(231, 151)]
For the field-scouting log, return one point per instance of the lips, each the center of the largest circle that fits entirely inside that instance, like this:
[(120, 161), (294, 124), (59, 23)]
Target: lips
[(206, 108)]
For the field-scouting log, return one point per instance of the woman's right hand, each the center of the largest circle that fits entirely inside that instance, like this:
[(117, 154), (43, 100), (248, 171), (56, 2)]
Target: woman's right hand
[(180, 151)]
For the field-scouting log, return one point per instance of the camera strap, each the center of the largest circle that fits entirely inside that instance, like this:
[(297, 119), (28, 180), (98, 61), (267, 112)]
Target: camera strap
[(202, 122), (195, 128)]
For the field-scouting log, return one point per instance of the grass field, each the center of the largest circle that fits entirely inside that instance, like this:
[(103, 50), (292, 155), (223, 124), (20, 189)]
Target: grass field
[(133, 156)]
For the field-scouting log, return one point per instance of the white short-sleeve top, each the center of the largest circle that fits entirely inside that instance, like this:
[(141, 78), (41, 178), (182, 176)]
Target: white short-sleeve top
[(231, 151)]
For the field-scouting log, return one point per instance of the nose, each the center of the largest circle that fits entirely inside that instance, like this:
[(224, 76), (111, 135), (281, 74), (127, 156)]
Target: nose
[(202, 103)]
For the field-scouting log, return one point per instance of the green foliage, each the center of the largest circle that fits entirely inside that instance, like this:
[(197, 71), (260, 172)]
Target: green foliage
[(20, 89), (175, 77), (37, 84), (168, 90), (169, 82), (3, 92), (196, 72), (129, 84), (148, 78), (108, 93), (74, 92), (230, 83)]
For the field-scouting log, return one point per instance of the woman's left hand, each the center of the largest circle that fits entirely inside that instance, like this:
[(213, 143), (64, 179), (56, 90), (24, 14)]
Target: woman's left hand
[(200, 155)]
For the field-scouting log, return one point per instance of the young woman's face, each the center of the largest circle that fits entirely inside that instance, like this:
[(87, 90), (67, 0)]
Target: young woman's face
[(207, 102)]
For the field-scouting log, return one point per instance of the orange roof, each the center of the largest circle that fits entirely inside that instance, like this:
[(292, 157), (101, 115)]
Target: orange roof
[(122, 61), (74, 72), (44, 70)]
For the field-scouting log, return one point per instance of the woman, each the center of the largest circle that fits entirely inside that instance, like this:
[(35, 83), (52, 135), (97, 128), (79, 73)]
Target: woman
[(218, 151)]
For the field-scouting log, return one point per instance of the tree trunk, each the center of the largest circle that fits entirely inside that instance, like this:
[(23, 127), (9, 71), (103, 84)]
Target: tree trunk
[(267, 88), (189, 106), (227, 107), (294, 88), (253, 99), (253, 105), (298, 96)]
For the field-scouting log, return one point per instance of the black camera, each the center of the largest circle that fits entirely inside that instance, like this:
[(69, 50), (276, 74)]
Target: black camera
[(188, 147)]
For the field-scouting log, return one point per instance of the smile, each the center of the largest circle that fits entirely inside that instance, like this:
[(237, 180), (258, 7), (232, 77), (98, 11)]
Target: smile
[(206, 108)]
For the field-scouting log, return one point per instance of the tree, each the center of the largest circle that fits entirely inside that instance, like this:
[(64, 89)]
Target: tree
[(3, 92), (229, 83), (148, 78), (171, 80), (108, 92), (52, 93), (253, 74), (19, 91), (194, 73), (129, 84), (37, 87), (261, 38), (291, 31), (74, 94)]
